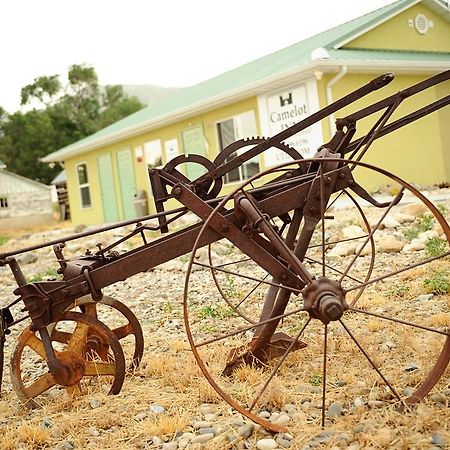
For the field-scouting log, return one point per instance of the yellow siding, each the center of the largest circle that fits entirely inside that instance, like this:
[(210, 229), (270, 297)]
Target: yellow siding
[(415, 152), (397, 34), (94, 214)]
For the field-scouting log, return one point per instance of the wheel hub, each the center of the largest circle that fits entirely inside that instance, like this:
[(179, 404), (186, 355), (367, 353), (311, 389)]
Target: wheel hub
[(324, 299), (74, 367)]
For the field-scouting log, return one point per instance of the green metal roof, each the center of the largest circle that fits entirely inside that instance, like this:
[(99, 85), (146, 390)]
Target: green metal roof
[(277, 63)]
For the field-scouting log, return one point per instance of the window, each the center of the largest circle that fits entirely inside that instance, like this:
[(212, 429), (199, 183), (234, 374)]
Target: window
[(238, 127), (3, 202), (83, 184), (153, 154)]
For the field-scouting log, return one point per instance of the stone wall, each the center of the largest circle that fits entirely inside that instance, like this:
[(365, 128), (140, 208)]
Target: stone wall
[(26, 203)]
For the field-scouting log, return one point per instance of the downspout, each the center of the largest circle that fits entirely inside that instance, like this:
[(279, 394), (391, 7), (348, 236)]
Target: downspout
[(341, 74)]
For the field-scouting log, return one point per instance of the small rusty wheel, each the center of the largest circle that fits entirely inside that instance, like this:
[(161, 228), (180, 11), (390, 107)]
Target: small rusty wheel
[(88, 360), (124, 325), (356, 321)]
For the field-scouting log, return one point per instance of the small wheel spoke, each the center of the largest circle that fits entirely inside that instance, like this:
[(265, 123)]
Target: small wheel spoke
[(61, 336), (78, 339), (98, 368), (36, 345), (123, 331), (42, 384)]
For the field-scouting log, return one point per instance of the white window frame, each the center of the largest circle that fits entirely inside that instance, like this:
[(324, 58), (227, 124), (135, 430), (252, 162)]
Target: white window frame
[(83, 185), (239, 134), (147, 151)]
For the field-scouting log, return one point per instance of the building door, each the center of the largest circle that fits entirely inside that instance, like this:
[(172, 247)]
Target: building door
[(108, 193), (194, 143), (127, 183)]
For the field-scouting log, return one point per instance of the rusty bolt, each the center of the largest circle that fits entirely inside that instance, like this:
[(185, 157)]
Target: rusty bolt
[(176, 191)]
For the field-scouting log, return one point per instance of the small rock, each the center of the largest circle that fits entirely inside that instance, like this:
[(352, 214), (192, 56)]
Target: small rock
[(202, 438), (414, 246), (290, 409), (206, 408), (246, 430), (27, 258), (352, 232), (411, 367), (157, 409), (359, 402), (335, 409), (342, 249), (424, 297), (156, 440), (415, 209), (201, 424), (207, 430), (274, 416), (140, 416), (389, 222), (264, 414), (210, 417), (266, 444), (95, 403), (282, 419), (46, 422), (79, 228), (93, 431), (375, 403), (439, 440), (353, 447), (389, 244), (438, 398), (169, 446), (66, 445)]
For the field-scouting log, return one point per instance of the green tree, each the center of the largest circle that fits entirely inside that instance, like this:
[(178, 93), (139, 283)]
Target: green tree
[(57, 116)]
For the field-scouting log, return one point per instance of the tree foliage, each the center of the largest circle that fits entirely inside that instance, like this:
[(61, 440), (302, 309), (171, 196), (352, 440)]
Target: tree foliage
[(56, 115)]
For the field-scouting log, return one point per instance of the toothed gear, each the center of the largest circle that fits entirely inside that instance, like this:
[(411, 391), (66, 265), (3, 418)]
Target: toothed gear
[(235, 146)]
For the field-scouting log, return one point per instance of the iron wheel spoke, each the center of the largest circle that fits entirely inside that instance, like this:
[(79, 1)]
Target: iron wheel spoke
[(369, 359), (278, 365), (400, 321), (248, 327)]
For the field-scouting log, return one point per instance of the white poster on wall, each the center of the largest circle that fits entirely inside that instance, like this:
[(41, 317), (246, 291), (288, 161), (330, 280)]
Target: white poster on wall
[(282, 109), (171, 147)]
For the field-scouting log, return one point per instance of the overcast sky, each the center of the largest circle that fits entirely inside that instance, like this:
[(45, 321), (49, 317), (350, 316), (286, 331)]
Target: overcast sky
[(161, 42)]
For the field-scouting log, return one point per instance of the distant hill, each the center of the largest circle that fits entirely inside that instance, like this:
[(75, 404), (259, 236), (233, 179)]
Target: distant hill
[(148, 93)]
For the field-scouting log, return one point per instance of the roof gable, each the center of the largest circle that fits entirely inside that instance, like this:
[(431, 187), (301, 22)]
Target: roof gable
[(11, 182), (417, 28)]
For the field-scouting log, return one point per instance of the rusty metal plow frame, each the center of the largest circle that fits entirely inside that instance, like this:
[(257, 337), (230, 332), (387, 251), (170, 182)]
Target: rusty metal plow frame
[(300, 197)]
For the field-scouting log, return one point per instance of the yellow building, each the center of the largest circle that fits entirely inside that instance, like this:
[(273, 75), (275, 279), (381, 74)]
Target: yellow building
[(409, 37)]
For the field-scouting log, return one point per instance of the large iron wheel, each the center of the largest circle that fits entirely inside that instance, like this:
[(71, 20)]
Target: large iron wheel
[(86, 346), (403, 347)]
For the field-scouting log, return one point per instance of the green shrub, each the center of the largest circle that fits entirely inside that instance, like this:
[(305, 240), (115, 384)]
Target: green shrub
[(435, 246), (438, 283)]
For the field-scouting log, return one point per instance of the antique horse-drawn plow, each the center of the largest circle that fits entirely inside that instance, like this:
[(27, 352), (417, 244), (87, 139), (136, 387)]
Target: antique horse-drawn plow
[(291, 313)]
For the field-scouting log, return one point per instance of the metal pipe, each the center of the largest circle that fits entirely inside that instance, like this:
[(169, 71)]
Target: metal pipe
[(341, 74)]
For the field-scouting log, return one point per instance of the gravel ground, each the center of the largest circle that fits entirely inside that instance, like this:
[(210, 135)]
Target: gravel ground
[(167, 403)]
